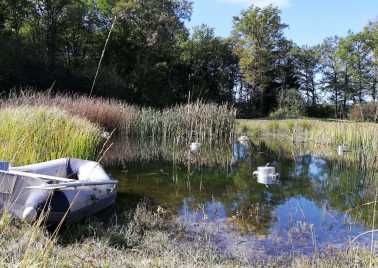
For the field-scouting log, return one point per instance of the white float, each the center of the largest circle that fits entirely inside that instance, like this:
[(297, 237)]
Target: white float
[(342, 149), (266, 175), (244, 140), (195, 147)]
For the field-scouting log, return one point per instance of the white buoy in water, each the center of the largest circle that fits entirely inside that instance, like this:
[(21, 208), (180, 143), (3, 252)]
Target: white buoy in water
[(195, 147), (244, 140), (342, 149), (266, 175)]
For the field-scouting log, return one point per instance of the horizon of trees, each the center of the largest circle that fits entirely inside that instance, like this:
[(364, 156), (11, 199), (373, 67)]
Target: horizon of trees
[(154, 59)]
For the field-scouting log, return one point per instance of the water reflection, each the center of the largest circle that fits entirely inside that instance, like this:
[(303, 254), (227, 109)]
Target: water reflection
[(305, 212)]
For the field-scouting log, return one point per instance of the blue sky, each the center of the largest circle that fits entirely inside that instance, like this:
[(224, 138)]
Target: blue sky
[(310, 21)]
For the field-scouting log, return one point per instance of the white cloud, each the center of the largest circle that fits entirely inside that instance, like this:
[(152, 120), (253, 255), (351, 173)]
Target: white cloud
[(261, 3)]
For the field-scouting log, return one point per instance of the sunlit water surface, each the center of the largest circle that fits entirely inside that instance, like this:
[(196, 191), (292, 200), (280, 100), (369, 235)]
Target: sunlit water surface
[(314, 206)]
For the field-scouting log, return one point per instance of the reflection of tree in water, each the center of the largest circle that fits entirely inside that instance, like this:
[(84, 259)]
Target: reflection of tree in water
[(349, 188), (342, 184), (125, 151), (231, 194)]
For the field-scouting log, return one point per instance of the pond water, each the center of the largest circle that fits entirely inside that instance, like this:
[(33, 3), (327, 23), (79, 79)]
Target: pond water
[(315, 205)]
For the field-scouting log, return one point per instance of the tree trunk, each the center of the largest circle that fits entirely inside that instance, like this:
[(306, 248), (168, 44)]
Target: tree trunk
[(51, 35)]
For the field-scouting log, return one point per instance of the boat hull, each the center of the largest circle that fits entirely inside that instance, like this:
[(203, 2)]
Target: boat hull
[(31, 191)]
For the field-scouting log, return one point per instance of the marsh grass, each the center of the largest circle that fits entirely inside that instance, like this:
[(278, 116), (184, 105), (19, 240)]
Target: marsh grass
[(360, 138), (34, 134), (180, 124)]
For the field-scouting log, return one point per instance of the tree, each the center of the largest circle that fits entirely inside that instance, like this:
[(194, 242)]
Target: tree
[(355, 52), (262, 48), (213, 68), (371, 33), (334, 74), (307, 67), (148, 35), (2, 15)]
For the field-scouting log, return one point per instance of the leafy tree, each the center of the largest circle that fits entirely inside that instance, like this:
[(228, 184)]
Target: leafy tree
[(261, 47), (307, 68), (371, 33), (355, 52), (335, 75), (212, 66), (148, 35)]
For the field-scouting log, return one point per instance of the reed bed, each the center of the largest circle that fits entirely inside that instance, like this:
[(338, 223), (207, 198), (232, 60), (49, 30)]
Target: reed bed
[(180, 124), (108, 113), (361, 139), (30, 134)]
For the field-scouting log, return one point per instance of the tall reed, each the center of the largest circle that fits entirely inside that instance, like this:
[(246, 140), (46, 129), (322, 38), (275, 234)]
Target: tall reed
[(181, 124), (33, 134), (360, 138)]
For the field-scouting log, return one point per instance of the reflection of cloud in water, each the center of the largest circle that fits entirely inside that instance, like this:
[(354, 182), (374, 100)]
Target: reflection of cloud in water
[(211, 211), (241, 216), (318, 168), (311, 166), (301, 226)]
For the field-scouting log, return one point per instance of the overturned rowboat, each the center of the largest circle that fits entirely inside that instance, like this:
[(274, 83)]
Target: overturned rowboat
[(67, 188)]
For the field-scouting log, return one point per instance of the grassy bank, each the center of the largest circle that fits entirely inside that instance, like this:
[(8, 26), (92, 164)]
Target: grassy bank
[(354, 134), (143, 237), (321, 136), (180, 124)]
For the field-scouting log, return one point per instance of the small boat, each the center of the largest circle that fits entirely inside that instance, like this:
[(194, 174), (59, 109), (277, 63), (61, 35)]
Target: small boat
[(68, 189)]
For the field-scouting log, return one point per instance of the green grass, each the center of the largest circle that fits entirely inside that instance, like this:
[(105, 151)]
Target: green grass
[(34, 134), (321, 135)]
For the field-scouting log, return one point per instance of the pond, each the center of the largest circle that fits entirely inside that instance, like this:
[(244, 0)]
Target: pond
[(316, 204)]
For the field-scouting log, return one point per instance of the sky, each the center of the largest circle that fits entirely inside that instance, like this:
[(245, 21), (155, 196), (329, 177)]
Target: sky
[(310, 21)]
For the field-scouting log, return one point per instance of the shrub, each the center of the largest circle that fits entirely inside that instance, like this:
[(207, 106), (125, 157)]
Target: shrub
[(283, 113), (290, 105), (364, 112)]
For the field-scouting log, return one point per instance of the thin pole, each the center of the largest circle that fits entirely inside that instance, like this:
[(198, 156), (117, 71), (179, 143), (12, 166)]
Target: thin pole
[(102, 55)]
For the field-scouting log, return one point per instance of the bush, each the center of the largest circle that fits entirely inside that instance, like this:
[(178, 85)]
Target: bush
[(364, 112), (283, 113), (321, 111), (290, 105)]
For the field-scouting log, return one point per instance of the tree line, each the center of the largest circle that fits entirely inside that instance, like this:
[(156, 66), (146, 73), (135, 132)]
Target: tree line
[(154, 59), (278, 74)]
